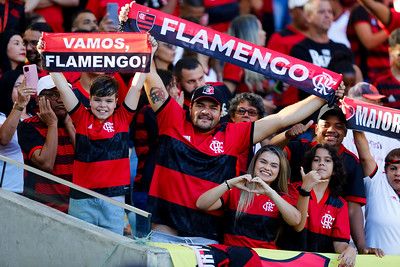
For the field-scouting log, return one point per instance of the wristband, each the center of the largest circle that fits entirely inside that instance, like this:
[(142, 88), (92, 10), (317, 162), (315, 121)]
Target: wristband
[(17, 107), (226, 182), (303, 192)]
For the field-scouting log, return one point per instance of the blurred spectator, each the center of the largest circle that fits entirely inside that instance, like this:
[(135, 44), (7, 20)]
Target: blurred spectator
[(317, 48), (164, 56), (84, 19), (12, 15), (47, 142), (368, 43), (237, 79), (51, 11), (338, 29), (389, 83), (283, 41), (221, 13), (12, 51), (31, 38)]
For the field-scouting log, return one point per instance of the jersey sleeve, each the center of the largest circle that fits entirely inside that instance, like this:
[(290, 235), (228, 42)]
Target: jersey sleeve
[(169, 114), (29, 138), (354, 190)]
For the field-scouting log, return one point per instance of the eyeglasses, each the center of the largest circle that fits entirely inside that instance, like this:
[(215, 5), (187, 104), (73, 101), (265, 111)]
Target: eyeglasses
[(54, 96), (32, 43), (251, 112)]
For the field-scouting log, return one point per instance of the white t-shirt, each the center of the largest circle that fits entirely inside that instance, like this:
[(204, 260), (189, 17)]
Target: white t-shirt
[(382, 214), (338, 30), (14, 176)]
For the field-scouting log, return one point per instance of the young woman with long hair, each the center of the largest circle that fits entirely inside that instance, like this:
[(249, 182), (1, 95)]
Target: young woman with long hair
[(255, 203)]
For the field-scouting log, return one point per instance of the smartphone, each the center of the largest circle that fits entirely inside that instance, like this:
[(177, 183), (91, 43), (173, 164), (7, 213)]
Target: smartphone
[(31, 75), (112, 10)]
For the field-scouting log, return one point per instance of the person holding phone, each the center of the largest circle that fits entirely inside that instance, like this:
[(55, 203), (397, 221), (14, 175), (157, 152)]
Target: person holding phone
[(14, 97)]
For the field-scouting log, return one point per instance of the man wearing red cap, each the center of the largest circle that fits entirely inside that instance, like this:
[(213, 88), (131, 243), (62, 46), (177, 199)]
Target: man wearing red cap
[(196, 155)]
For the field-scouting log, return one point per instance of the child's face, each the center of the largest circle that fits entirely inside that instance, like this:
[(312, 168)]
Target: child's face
[(322, 163), (103, 106)]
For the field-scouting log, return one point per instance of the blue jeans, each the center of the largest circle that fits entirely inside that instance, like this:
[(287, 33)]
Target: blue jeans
[(99, 212), (142, 223)]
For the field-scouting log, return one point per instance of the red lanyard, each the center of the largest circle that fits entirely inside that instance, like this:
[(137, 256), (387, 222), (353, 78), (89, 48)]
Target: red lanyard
[(3, 23)]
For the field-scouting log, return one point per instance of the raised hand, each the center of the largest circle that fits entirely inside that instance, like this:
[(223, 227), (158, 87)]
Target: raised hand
[(123, 13), (340, 90), (240, 182), (298, 129), (311, 179), (153, 43), (40, 45), (24, 94), (260, 187), (46, 113), (106, 25)]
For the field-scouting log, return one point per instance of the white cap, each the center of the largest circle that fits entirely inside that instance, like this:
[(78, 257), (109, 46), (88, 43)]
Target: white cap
[(296, 3), (46, 83)]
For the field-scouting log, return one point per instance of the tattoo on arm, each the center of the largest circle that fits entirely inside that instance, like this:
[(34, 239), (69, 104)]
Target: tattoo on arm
[(157, 94)]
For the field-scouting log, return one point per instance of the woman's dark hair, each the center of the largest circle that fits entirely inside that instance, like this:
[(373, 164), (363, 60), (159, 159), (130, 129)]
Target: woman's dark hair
[(7, 82), (104, 85), (338, 177), (5, 63)]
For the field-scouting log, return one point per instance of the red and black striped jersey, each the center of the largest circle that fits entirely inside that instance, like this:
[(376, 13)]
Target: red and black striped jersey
[(102, 151), (389, 86), (190, 163), (373, 61), (327, 221), (258, 226), (32, 134)]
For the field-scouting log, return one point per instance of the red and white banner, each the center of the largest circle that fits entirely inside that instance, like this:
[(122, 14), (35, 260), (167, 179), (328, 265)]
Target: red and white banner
[(96, 52), (363, 116), (167, 28)]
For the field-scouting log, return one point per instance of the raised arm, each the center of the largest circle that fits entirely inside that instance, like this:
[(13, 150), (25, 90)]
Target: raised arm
[(69, 99), (378, 10), (367, 160), (133, 95), (210, 200), (155, 89), (310, 180), (288, 116)]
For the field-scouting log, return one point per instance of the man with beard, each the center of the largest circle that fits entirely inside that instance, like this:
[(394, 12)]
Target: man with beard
[(85, 21), (31, 38), (47, 143), (196, 153), (189, 74)]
